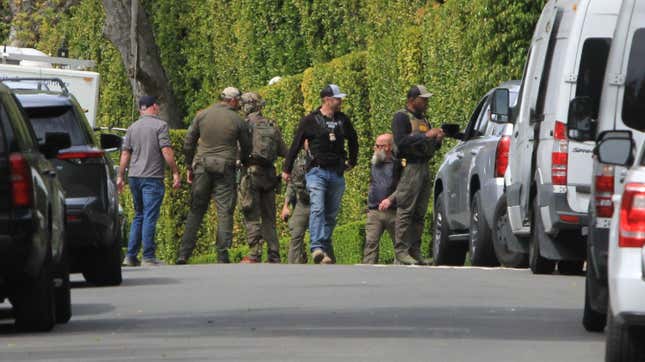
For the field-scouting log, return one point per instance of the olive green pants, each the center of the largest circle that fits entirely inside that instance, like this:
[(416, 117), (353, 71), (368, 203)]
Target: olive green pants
[(377, 223), (298, 224), (260, 225), (412, 198), (222, 188)]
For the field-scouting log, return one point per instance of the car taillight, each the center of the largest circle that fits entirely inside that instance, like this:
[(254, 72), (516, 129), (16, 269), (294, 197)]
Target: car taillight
[(560, 154), (80, 155), (501, 156), (632, 216), (21, 187), (604, 190)]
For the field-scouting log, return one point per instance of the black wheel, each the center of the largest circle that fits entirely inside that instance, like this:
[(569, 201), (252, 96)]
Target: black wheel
[(571, 267), (501, 234), (62, 293), (479, 240), (592, 320), (33, 302), (623, 341), (538, 263), (445, 252), (104, 266)]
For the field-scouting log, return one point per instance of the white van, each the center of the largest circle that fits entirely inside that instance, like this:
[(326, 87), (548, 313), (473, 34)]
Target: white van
[(548, 181), (622, 111)]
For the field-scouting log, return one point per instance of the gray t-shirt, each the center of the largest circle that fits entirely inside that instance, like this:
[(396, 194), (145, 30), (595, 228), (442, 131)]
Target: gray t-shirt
[(144, 139)]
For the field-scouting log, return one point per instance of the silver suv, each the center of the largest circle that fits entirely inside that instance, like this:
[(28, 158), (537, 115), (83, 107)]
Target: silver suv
[(470, 179)]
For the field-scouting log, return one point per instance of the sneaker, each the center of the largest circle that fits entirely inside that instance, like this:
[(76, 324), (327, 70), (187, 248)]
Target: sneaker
[(128, 261), (181, 261), (152, 262), (317, 255), (327, 260), (248, 260)]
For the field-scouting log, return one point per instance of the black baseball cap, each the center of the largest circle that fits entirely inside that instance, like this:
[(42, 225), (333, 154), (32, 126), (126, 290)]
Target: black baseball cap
[(147, 101), (332, 90), (419, 91)]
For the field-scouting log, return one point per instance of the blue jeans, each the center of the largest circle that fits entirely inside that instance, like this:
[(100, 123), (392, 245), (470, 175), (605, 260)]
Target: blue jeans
[(147, 195), (326, 190)]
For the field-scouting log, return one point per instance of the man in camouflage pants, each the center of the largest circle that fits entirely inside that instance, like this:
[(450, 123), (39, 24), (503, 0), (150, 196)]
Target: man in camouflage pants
[(211, 149), (259, 181), (297, 197)]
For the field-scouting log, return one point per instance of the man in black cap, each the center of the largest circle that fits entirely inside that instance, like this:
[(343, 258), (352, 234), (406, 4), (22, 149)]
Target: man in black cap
[(415, 142), (326, 129), (145, 148)]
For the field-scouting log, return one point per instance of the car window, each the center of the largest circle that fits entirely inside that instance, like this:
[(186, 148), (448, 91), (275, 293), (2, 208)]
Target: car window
[(57, 119), (4, 120), (23, 134), (470, 128), (484, 117), (593, 63), (634, 99)]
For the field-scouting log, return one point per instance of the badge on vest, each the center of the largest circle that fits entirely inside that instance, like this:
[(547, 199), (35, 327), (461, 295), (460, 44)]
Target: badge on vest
[(423, 128)]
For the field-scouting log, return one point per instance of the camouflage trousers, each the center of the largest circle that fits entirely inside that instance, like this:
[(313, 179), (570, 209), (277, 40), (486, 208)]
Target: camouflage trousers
[(222, 188), (412, 198), (298, 223)]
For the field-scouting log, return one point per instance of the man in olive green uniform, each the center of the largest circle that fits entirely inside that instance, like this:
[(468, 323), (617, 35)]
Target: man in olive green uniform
[(211, 149), (297, 197), (259, 181), (415, 142)]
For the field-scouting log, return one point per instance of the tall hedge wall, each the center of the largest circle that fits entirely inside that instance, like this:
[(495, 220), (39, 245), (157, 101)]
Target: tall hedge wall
[(375, 50)]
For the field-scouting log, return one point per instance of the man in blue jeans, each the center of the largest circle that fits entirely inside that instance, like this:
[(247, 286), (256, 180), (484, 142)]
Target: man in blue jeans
[(326, 129), (146, 148)]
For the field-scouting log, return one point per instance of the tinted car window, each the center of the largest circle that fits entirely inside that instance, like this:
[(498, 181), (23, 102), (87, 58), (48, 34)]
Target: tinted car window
[(593, 64), (470, 128), (634, 100), (23, 134), (57, 119)]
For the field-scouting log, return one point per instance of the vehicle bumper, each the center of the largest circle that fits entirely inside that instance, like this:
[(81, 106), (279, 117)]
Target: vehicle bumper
[(492, 191), (18, 254), (87, 223), (626, 284), (556, 213)]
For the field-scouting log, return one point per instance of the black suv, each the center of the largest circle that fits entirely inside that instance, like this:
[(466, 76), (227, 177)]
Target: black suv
[(34, 272), (87, 175)]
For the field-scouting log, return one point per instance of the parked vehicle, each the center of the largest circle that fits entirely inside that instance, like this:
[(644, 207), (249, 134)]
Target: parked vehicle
[(626, 316), (548, 182), (621, 111), (470, 178), (87, 174), (34, 271)]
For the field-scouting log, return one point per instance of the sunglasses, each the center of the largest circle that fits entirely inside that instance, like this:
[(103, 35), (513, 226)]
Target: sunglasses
[(380, 146)]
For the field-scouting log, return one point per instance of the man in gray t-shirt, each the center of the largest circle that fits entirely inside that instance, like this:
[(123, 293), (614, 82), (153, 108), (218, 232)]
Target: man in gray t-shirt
[(146, 148)]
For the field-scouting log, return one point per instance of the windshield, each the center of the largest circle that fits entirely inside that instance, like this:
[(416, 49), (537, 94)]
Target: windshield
[(57, 119), (593, 63), (634, 100)]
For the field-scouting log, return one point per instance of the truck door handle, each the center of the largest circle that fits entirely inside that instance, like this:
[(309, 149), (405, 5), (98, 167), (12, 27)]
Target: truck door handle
[(473, 152), (517, 133), (50, 173), (460, 156)]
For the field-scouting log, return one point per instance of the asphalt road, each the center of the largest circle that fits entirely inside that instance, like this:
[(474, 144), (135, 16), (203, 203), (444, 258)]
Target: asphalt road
[(316, 313)]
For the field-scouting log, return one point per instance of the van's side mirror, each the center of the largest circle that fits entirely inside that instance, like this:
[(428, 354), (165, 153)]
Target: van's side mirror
[(615, 148), (110, 141), (500, 106), (54, 142), (580, 124)]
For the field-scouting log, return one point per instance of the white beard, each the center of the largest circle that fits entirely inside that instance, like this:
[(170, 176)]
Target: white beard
[(379, 157)]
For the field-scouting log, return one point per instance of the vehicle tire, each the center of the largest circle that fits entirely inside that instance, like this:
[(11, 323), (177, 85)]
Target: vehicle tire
[(623, 341), (33, 302), (538, 263), (479, 240), (592, 320), (501, 232), (570, 267), (62, 292), (445, 252), (104, 266)]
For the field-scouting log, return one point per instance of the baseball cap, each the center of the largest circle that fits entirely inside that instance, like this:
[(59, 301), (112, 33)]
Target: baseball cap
[(147, 101), (230, 93), (419, 91), (332, 90)]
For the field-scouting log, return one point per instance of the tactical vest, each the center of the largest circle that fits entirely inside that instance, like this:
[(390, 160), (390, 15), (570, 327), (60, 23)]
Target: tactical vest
[(327, 147), (421, 152), (300, 167)]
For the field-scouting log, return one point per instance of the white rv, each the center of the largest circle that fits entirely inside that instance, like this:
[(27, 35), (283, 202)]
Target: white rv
[(548, 181), (33, 64)]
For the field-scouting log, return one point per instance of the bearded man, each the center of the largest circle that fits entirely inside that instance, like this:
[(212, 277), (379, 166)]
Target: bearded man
[(381, 200)]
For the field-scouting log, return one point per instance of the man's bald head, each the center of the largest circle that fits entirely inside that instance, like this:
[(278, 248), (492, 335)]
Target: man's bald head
[(382, 148)]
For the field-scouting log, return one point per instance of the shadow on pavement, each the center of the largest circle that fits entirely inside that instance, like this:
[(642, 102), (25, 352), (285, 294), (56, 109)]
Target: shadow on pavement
[(127, 282)]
